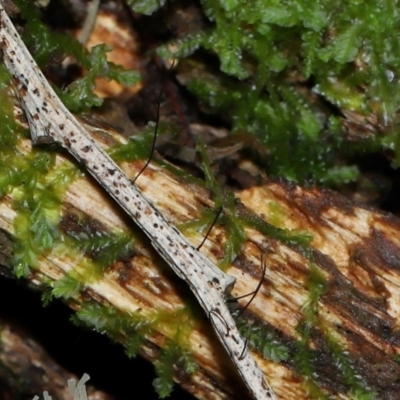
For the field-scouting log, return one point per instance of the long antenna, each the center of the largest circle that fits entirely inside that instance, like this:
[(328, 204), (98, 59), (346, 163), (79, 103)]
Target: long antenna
[(253, 294), (49, 120), (153, 144), (209, 229)]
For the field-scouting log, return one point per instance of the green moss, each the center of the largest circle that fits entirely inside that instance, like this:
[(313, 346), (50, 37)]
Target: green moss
[(358, 389), (104, 248), (138, 147), (260, 338), (269, 52), (298, 145), (235, 218), (132, 329), (37, 185), (46, 43), (276, 215), (37, 200), (176, 353), (65, 288), (7, 123), (223, 198), (304, 357), (89, 259), (80, 94), (172, 356), (260, 47)]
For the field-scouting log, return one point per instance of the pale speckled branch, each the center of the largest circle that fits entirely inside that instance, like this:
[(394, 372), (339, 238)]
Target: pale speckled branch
[(50, 121)]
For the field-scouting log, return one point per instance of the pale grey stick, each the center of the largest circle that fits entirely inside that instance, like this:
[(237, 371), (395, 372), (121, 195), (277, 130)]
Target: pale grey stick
[(50, 121)]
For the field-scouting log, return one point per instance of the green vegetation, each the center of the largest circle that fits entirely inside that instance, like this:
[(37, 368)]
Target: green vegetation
[(131, 329), (46, 44), (281, 61), (36, 185), (305, 357), (261, 338), (280, 64), (358, 389)]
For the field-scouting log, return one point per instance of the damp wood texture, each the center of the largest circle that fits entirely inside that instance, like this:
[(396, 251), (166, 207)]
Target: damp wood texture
[(50, 122), (323, 324), (329, 310)]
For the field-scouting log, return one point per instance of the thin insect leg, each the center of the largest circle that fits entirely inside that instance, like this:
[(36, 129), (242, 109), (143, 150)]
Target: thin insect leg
[(246, 343), (208, 283), (153, 144), (216, 313), (253, 294), (209, 229)]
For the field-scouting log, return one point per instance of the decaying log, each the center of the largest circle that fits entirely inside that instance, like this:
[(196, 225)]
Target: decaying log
[(51, 123), (23, 360), (334, 305)]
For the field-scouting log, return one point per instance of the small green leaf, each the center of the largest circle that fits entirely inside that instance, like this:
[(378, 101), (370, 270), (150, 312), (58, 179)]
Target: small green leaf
[(342, 174), (123, 76), (98, 65), (344, 47), (66, 287), (315, 18), (277, 15), (182, 48), (172, 354), (146, 7), (132, 345), (229, 51), (163, 387), (347, 44), (79, 95), (137, 148), (102, 247), (229, 5)]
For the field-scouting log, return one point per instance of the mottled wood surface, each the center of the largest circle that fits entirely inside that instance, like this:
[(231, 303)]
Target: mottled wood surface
[(356, 250)]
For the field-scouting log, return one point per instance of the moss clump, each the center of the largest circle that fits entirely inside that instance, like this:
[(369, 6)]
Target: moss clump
[(8, 138), (79, 95), (282, 62), (132, 330), (306, 357), (36, 184), (103, 248), (268, 56), (236, 218), (138, 147), (260, 338)]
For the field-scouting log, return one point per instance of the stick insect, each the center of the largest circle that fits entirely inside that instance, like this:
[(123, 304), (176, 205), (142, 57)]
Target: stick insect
[(51, 122)]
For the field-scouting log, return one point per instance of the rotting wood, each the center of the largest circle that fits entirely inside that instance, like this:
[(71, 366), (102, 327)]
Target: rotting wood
[(24, 360), (357, 250), (51, 123)]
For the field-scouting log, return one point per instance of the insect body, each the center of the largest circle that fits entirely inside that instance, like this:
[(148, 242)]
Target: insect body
[(50, 121)]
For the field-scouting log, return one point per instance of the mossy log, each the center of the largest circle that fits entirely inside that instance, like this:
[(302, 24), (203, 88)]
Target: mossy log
[(327, 314)]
